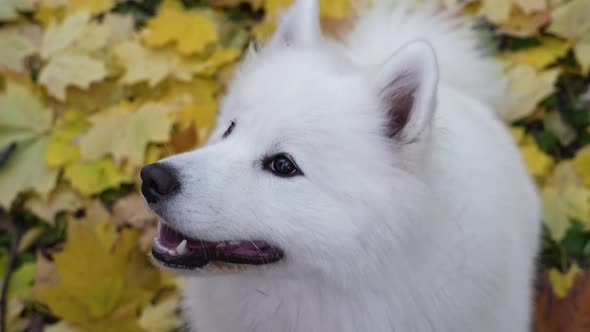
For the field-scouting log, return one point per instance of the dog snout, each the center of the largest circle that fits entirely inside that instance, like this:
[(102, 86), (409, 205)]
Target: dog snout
[(158, 181)]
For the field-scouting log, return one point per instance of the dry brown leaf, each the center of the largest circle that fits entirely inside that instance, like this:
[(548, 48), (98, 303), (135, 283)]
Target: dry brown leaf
[(46, 272), (336, 28), (96, 212), (184, 140), (571, 314), (61, 199), (131, 210), (522, 25)]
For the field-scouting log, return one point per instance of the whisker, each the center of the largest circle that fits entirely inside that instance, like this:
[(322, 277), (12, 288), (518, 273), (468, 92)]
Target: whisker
[(260, 254), (206, 249)]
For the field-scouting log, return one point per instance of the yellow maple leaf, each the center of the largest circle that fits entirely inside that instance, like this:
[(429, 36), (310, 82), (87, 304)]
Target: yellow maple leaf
[(67, 52), (218, 59), (563, 282), (95, 37), (527, 87), (98, 282), (60, 36), (518, 133), (496, 10), (120, 26), (540, 56), (17, 43), (48, 12), (96, 176), (582, 164), (64, 70), (190, 31), (198, 90), (161, 316), (143, 64), (582, 52), (63, 150), (100, 95), (185, 68), (530, 6), (9, 9), (572, 21), (124, 133), (538, 162), (63, 147), (562, 204), (25, 122), (564, 174), (92, 6), (199, 104), (152, 154), (203, 116)]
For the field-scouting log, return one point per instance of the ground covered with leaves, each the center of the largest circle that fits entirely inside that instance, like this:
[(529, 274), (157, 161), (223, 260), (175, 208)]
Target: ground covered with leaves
[(92, 90)]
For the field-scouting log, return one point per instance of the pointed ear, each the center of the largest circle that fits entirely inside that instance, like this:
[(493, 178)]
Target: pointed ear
[(407, 84), (299, 26)]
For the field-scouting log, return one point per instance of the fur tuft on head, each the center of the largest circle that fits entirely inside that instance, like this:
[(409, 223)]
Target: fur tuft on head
[(384, 28), (299, 27)]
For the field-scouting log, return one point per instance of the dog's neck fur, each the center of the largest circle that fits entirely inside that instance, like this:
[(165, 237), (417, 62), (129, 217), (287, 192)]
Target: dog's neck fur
[(351, 299), (263, 303)]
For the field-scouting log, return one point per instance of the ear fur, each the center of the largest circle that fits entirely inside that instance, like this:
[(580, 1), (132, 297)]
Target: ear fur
[(407, 84), (299, 26)]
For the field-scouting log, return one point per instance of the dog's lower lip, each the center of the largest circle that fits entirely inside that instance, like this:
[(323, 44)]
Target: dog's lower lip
[(175, 250)]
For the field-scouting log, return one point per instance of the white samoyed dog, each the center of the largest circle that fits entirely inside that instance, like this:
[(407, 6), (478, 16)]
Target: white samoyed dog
[(364, 184)]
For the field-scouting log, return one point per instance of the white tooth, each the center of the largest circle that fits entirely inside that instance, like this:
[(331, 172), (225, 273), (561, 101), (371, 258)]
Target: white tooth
[(181, 249), (234, 243), (221, 245)]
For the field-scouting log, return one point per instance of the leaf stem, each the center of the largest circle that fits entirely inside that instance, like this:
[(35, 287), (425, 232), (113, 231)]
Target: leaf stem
[(7, 223)]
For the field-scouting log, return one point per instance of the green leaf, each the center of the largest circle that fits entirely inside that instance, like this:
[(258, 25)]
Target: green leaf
[(575, 240), (547, 142), (21, 280)]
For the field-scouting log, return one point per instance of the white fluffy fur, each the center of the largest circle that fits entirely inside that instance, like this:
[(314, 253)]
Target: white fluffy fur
[(435, 234)]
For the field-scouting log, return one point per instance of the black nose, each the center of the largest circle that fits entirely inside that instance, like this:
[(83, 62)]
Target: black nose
[(158, 181)]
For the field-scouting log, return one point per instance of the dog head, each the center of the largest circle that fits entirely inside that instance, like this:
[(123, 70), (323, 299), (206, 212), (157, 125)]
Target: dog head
[(310, 164)]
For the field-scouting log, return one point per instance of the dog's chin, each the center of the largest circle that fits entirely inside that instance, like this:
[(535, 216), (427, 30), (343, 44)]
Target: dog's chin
[(181, 254)]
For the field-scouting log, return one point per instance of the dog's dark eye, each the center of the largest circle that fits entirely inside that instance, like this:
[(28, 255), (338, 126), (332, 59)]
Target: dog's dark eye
[(282, 165), (229, 129)]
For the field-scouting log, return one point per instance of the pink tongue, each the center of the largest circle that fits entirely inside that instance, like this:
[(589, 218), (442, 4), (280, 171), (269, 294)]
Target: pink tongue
[(169, 237), (198, 253)]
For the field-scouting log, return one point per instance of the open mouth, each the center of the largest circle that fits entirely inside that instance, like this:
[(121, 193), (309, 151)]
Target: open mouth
[(175, 250)]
